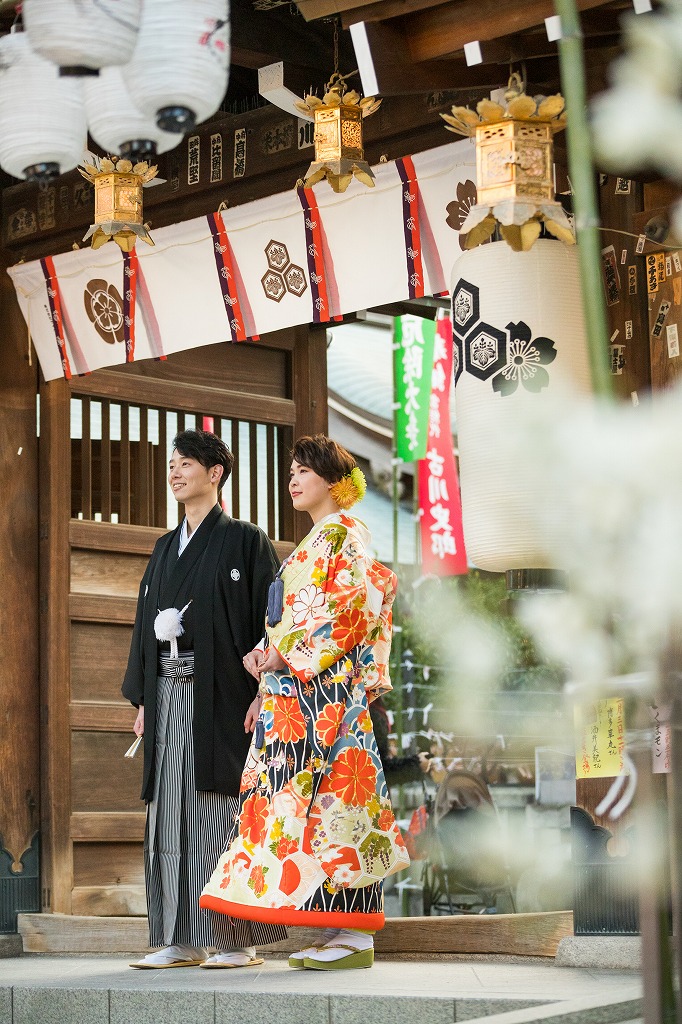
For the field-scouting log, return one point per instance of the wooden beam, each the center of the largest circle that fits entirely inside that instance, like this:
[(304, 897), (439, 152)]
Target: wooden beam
[(119, 537), (55, 505), (511, 934), (108, 826), (100, 717), (189, 397), (446, 29), (20, 735), (101, 608)]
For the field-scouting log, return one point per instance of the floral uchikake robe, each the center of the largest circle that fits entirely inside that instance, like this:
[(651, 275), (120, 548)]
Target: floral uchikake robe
[(316, 832)]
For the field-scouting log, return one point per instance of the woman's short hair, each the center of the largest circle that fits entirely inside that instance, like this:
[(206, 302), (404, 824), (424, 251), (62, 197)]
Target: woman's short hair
[(208, 450), (325, 457)]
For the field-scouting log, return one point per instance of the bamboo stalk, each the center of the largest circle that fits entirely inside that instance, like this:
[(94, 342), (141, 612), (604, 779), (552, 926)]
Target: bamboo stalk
[(582, 175)]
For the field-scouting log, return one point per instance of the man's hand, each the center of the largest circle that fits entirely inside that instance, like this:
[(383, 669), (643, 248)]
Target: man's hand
[(253, 713), (138, 728)]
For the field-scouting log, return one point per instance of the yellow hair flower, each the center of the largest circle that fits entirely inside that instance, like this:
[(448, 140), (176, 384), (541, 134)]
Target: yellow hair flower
[(349, 489)]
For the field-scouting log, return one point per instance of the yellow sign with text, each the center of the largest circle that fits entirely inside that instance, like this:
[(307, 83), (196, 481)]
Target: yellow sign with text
[(600, 739)]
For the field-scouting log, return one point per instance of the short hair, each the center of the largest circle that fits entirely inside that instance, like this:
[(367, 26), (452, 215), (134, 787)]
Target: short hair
[(325, 457), (208, 450)]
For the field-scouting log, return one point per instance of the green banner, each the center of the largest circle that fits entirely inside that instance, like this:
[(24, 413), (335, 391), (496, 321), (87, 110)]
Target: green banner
[(413, 344)]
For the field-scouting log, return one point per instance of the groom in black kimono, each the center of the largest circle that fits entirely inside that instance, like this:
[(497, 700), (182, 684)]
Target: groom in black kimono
[(209, 578)]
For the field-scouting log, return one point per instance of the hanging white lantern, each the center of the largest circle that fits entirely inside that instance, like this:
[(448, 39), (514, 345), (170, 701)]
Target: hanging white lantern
[(82, 35), (115, 122), (180, 68), (519, 342), (42, 116)]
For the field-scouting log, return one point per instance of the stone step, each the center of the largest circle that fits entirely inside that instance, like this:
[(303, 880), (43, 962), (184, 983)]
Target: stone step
[(104, 990)]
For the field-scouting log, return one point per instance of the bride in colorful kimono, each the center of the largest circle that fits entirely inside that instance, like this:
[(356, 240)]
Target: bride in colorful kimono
[(316, 835)]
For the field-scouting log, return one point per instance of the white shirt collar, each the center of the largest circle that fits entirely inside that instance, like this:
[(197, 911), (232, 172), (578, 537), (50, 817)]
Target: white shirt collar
[(185, 538)]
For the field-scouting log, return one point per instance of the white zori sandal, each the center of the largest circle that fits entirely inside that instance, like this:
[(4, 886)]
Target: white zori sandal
[(235, 958), (296, 959), (171, 956)]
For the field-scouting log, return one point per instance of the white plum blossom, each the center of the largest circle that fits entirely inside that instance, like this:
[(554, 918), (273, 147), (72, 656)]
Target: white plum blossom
[(308, 602)]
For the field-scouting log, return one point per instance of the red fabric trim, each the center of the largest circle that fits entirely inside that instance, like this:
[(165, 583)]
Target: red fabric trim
[(293, 917), (416, 230)]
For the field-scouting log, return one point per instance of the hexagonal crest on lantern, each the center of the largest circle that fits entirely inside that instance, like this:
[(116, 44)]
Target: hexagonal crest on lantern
[(277, 255), (295, 280), (485, 351), (465, 306), (457, 358), (273, 285)]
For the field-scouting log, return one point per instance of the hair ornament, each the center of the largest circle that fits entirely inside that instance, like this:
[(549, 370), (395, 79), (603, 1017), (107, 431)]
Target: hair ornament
[(349, 489)]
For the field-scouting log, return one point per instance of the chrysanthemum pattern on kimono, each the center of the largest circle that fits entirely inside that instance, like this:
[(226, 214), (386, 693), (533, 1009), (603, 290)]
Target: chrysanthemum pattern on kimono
[(316, 831)]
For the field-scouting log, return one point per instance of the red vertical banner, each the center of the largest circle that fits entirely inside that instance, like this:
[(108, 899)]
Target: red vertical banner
[(440, 506)]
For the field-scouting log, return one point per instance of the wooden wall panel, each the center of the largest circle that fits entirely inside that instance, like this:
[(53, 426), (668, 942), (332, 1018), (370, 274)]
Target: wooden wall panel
[(99, 655), (100, 572), (107, 864), (102, 779)]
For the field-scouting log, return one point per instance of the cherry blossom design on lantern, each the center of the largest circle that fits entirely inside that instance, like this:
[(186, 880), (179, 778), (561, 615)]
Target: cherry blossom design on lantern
[(458, 209), (526, 359), (282, 275), (308, 602)]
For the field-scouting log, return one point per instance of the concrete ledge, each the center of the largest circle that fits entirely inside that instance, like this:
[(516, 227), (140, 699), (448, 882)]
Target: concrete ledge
[(576, 1011), (604, 952), (11, 945)]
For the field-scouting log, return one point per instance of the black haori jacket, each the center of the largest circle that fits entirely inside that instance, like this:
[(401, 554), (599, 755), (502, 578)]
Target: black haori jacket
[(225, 570)]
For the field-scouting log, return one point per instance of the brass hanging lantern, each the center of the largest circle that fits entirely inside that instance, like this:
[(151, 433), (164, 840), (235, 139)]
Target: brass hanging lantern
[(118, 201), (514, 167), (339, 153)]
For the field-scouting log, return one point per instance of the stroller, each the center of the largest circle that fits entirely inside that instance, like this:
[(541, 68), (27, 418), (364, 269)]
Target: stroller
[(464, 868)]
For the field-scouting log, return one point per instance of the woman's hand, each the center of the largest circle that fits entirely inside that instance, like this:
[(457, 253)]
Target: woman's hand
[(138, 728), (253, 712), (271, 661), (252, 660)]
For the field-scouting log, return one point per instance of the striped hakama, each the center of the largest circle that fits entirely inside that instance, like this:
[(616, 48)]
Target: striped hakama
[(187, 830)]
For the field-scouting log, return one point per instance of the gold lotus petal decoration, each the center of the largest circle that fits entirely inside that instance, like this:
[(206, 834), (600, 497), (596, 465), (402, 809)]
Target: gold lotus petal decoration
[(514, 168), (118, 202)]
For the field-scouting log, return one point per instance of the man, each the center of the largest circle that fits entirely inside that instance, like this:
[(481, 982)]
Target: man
[(201, 609)]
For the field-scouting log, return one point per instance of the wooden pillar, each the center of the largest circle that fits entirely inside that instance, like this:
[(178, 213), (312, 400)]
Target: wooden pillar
[(309, 391), (55, 643), (19, 679)]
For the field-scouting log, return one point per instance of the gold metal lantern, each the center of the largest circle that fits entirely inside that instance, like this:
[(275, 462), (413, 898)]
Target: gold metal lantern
[(339, 153), (118, 201), (514, 166)]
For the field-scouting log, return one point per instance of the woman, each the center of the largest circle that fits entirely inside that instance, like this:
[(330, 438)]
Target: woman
[(316, 832)]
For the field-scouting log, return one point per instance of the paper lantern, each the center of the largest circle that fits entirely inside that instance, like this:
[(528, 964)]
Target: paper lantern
[(115, 122), (42, 116), (179, 71), (519, 342), (82, 35)]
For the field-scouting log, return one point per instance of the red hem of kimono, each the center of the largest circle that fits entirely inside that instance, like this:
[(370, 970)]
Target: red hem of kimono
[(293, 917)]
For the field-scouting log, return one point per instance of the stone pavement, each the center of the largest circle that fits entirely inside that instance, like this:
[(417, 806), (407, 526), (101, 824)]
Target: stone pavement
[(102, 989)]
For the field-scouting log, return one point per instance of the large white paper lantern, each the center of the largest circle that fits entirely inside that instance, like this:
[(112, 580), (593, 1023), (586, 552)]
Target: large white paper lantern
[(42, 115), (519, 341), (82, 35), (180, 68), (117, 124)]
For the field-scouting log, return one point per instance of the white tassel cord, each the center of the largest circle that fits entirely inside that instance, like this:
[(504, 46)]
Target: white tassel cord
[(168, 627)]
